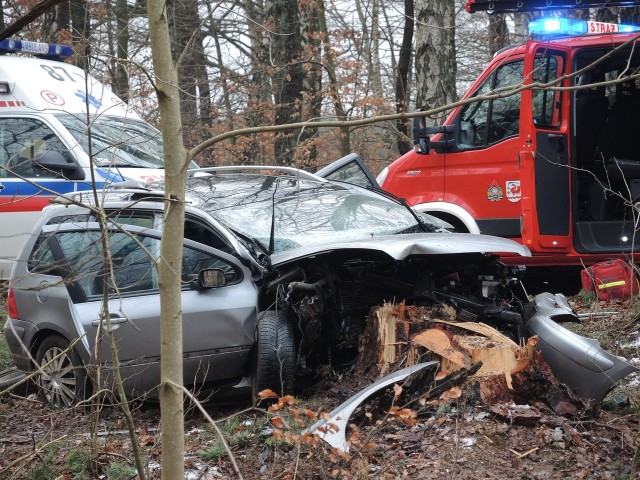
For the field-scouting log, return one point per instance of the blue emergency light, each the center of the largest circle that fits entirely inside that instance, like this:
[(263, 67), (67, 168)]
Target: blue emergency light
[(49, 50), (563, 27)]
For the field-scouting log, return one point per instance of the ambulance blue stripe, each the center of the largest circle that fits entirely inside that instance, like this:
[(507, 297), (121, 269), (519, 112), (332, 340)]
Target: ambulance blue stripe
[(19, 187), (110, 176)]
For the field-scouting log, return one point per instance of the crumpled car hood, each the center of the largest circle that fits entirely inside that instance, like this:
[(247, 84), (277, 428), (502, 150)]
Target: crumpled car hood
[(401, 246)]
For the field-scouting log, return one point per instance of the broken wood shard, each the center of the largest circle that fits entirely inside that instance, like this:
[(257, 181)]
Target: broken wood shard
[(501, 370), (442, 343)]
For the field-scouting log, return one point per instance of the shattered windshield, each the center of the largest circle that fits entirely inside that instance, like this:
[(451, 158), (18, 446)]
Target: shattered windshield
[(300, 212), (117, 141)]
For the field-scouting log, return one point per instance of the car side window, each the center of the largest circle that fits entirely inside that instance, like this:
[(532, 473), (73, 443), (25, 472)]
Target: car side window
[(23, 140), (489, 121), (41, 259), (133, 262), (198, 232), (194, 260)]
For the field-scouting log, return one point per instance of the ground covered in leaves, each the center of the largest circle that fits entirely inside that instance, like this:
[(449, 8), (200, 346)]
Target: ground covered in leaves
[(456, 436)]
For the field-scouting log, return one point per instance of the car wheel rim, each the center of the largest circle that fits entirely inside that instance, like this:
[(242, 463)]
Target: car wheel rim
[(57, 379)]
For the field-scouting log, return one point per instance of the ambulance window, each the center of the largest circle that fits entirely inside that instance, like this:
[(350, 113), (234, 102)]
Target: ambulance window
[(489, 121), (22, 140), (546, 103)]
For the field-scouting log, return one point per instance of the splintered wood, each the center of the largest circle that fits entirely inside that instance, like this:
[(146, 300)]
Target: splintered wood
[(399, 335), (408, 334)]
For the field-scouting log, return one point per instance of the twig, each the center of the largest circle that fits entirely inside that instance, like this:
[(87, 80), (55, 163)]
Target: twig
[(522, 455), (26, 456)]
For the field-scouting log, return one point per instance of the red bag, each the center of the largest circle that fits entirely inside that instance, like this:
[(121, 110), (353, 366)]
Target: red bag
[(610, 279)]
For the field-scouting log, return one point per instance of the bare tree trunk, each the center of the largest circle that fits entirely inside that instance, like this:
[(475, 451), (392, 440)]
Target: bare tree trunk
[(55, 21), (375, 73), (498, 32), (402, 78), (312, 83), (170, 265), (223, 80), (521, 27), (122, 49), (80, 32), (435, 54), (345, 141), (288, 79), (195, 93), (259, 91)]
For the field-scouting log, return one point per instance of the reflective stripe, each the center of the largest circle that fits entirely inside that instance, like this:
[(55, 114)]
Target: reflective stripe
[(611, 284)]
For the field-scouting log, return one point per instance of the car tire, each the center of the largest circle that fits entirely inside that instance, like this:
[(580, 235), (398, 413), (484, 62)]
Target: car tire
[(61, 382), (275, 358)]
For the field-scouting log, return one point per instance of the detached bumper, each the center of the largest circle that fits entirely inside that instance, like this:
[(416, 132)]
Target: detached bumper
[(576, 361)]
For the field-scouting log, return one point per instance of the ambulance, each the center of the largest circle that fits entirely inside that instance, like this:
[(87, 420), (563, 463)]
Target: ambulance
[(61, 131), (545, 146)]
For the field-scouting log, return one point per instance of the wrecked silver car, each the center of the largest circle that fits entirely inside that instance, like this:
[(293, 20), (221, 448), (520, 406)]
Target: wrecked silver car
[(280, 268)]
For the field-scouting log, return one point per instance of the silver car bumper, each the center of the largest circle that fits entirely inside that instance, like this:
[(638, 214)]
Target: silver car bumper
[(578, 362)]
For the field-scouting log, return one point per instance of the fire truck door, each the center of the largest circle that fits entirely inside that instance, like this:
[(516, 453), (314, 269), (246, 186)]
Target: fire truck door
[(547, 223), (552, 184)]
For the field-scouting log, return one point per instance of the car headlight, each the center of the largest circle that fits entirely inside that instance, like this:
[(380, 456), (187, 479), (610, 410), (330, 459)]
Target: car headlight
[(382, 176)]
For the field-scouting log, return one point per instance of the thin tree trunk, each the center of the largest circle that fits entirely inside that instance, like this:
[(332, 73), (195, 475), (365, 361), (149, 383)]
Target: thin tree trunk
[(521, 27), (170, 265), (375, 73), (195, 93), (498, 32), (223, 80), (259, 91), (345, 141), (312, 82), (122, 49), (288, 79), (402, 78)]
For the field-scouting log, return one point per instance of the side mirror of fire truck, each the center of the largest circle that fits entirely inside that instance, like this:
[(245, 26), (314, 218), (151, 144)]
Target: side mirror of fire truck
[(420, 136), (61, 164), (422, 142)]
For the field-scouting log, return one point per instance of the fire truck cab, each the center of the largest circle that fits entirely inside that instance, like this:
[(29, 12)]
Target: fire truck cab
[(544, 148)]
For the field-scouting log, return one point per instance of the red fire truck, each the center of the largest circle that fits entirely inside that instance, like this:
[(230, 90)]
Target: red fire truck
[(544, 147)]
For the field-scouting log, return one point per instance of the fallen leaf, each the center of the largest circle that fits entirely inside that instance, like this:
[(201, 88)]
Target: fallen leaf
[(397, 391), (452, 393), (267, 393)]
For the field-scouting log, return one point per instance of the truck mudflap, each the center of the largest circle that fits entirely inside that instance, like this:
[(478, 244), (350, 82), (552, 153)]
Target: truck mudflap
[(578, 362)]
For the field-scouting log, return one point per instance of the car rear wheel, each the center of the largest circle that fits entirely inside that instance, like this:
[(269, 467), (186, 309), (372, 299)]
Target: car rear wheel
[(274, 355), (61, 382)]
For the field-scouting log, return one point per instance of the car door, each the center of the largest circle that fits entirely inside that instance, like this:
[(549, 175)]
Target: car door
[(217, 322), (349, 169)]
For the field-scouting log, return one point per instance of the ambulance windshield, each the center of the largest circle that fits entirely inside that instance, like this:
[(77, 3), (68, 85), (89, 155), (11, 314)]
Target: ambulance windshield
[(117, 141)]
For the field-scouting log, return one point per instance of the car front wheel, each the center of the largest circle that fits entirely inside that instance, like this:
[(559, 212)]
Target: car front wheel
[(274, 354), (61, 381)]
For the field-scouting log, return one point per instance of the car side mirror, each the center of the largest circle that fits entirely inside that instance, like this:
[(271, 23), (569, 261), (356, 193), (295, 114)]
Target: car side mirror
[(56, 162), (209, 278)]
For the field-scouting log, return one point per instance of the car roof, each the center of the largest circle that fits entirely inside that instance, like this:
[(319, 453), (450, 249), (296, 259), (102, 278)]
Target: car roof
[(209, 188)]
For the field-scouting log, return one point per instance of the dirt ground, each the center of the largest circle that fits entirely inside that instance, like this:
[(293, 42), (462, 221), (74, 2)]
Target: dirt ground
[(456, 438)]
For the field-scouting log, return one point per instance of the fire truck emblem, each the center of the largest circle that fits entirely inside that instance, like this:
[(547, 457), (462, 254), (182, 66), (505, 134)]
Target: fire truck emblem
[(513, 190), (494, 192)]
